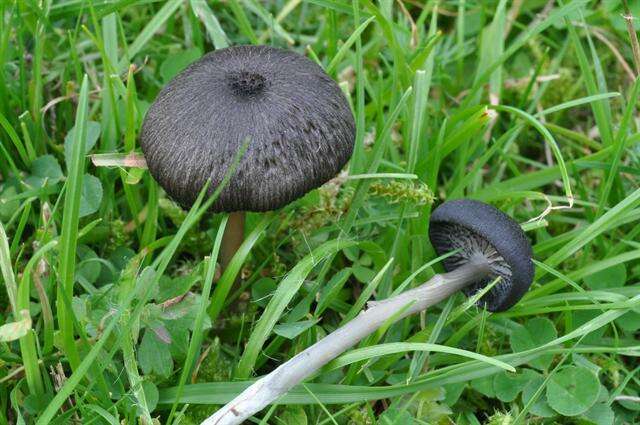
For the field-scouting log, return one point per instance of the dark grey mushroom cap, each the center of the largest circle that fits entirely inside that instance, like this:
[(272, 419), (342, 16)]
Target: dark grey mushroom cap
[(478, 228), (296, 120)]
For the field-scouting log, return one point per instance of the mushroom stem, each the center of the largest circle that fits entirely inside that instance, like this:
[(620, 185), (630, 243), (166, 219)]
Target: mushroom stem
[(270, 387), (232, 238)]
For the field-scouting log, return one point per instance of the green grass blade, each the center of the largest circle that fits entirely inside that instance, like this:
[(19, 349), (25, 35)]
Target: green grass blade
[(69, 232), (619, 143), (594, 229), (243, 22), (230, 274), (17, 143), (556, 16), (550, 140), (7, 271), (331, 68), (284, 293), (357, 307), (211, 23), (420, 94), (599, 109), (367, 353), (149, 30), (197, 335), (577, 102)]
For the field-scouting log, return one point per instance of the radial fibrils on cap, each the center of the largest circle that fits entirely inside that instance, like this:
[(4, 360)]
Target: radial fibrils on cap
[(297, 123)]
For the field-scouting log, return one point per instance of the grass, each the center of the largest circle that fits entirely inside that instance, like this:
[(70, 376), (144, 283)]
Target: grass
[(527, 105)]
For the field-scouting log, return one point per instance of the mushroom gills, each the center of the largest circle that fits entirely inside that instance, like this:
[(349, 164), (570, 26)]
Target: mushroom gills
[(471, 247), (474, 228)]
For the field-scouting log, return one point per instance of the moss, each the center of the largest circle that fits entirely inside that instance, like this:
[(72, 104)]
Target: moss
[(417, 193), (215, 367)]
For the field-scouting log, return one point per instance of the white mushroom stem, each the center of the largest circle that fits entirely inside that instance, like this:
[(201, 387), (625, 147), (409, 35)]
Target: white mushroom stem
[(269, 388)]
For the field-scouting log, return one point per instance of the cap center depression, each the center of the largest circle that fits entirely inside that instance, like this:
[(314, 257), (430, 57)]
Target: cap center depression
[(246, 83)]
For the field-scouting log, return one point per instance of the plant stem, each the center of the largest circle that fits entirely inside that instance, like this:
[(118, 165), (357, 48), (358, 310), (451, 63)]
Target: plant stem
[(135, 380), (269, 388), (232, 238), (635, 46)]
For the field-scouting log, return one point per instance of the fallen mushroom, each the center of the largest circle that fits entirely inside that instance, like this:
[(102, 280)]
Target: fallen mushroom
[(478, 229), (296, 120), (487, 245)]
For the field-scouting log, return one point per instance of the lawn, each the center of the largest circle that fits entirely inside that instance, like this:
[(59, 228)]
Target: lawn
[(115, 309)]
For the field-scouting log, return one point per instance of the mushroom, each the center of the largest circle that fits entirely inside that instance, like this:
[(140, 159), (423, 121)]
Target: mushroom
[(487, 244), (482, 233), (297, 123)]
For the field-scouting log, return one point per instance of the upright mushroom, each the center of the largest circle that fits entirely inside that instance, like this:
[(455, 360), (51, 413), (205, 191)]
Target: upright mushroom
[(297, 123), (487, 244)]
